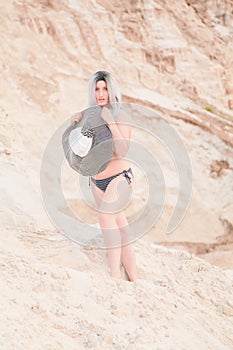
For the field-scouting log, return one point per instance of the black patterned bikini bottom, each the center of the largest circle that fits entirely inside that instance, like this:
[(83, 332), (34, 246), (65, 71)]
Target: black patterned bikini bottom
[(102, 184)]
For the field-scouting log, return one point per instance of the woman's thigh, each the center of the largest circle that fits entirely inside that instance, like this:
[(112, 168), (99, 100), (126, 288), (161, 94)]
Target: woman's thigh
[(97, 194), (116, 197)]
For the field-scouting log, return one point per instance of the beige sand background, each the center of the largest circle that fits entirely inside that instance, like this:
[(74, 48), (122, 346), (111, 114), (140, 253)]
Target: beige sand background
[(173, 59)]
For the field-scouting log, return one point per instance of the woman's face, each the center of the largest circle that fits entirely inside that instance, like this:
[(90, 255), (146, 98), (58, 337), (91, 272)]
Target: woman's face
[(101, 93)]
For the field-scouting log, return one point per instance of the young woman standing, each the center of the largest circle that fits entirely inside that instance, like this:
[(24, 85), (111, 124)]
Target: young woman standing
[(113, 186)]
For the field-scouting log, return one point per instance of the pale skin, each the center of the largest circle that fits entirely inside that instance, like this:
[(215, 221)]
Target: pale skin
[(113, 222)]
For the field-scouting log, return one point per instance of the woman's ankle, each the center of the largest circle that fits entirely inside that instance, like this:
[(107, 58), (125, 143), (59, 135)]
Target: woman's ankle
[(131, 275), (115, 275)]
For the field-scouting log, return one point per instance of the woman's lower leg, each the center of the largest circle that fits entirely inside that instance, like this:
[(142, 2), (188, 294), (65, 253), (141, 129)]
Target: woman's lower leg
[(129, 261), (127, 252), (112, 239)]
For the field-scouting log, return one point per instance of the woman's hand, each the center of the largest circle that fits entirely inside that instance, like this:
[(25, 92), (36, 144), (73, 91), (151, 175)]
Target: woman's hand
[(76, 117), (121, 131), (107, 116)]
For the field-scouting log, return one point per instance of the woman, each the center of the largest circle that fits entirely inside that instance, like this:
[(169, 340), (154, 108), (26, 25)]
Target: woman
[(112, 187)]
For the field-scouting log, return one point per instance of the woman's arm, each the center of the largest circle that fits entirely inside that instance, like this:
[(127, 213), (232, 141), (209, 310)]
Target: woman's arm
[(121, 131)]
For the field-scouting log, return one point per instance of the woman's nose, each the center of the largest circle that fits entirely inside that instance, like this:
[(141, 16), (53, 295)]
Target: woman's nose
[(101, 92)]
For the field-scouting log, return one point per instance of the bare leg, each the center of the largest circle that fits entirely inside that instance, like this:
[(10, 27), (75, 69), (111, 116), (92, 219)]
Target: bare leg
[(127, 251), (111, 217), (107, 221), (112, 238)]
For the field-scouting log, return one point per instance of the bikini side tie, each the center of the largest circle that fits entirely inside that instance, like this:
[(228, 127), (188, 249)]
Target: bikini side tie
[(126, 175)]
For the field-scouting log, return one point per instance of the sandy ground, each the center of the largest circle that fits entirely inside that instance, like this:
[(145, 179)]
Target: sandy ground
[(56, 294)]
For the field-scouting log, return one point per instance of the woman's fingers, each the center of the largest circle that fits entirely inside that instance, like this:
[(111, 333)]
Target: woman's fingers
[(76, 117), (107, 115)]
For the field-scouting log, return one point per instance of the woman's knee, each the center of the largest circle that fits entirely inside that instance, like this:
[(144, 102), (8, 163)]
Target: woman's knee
[(102, 218), (121, 219), (106, 220)]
